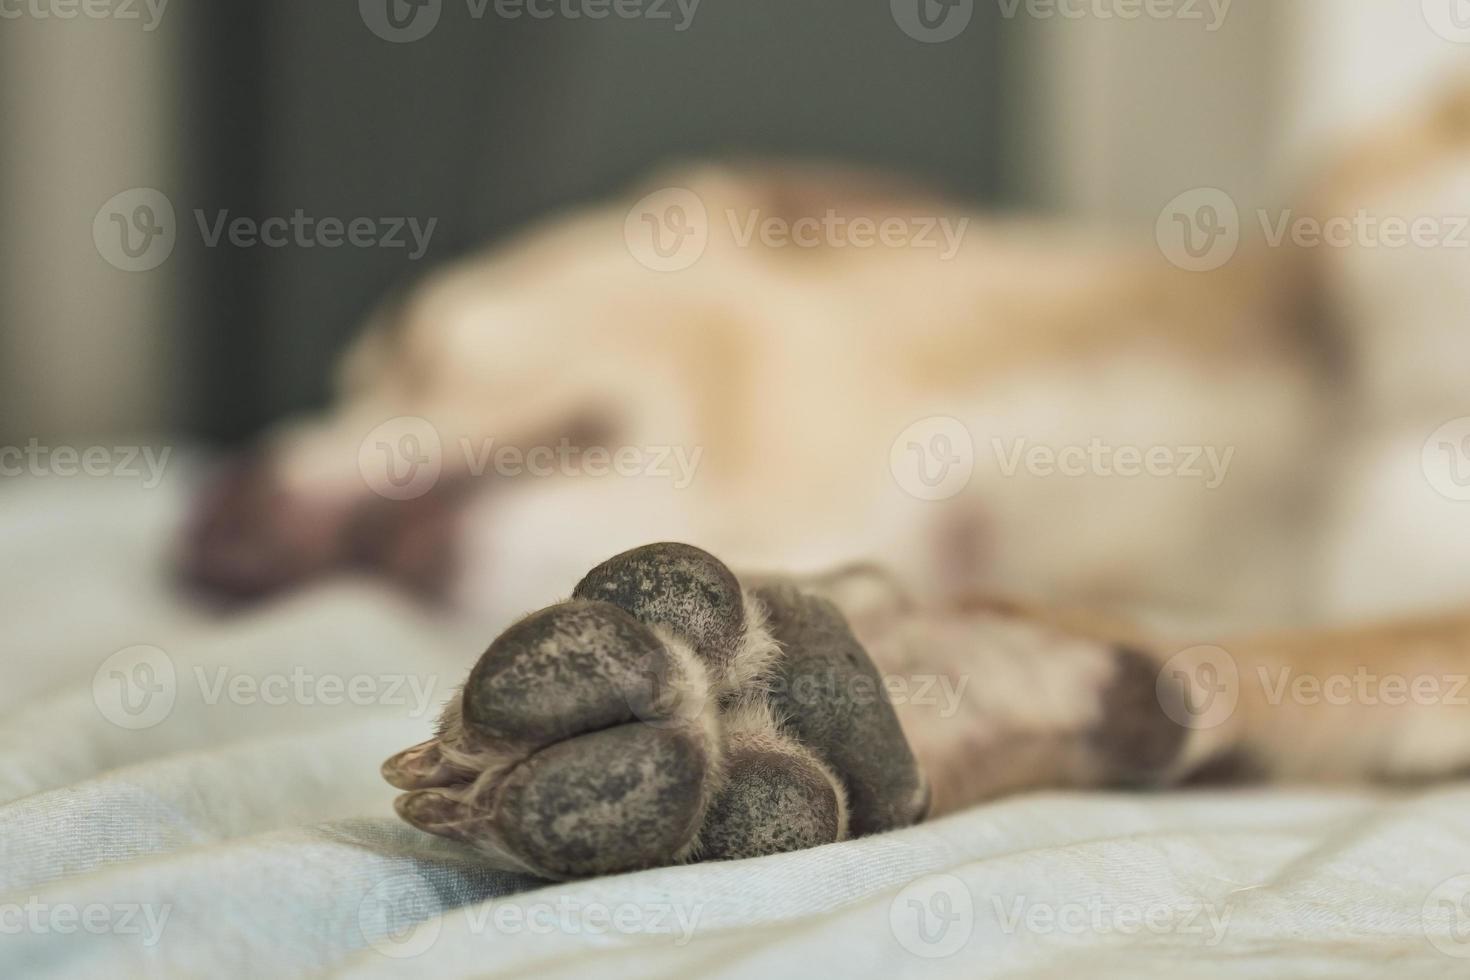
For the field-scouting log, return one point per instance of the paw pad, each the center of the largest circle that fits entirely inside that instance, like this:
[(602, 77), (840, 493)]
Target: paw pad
[(586, 740), (568, 669), (679, 586)]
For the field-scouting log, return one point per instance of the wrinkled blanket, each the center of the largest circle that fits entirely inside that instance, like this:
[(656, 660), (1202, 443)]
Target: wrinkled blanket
[(185, 791)]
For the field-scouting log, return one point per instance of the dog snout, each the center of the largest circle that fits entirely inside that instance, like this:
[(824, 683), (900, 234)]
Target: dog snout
[(249, 536)]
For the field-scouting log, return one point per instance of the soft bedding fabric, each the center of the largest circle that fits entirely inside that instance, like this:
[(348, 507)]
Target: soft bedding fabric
[(192, 793)]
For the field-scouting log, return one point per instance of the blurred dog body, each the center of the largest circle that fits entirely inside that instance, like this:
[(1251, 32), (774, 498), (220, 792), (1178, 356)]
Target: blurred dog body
[(1136, 437), (1398, 513)]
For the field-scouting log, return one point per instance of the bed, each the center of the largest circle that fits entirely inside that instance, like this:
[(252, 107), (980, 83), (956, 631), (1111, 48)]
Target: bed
[(189, 792)]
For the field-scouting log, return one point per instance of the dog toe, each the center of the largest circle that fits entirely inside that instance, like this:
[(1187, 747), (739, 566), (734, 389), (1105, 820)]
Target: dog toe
[(775, 798), (680, 587), (573, 668), (618, 800), (833, 698)]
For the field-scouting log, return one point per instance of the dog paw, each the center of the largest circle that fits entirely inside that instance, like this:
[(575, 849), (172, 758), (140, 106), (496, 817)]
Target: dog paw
[(663, 714)]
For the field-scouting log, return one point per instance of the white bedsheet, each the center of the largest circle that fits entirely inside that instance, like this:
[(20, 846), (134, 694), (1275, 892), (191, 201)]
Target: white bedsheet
[(224, 834)]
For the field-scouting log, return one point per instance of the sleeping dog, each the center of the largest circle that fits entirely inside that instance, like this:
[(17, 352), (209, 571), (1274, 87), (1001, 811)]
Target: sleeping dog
[(776, 365)]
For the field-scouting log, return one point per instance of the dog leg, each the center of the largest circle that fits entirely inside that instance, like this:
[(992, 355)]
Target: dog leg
[(997, 697), (671, 712), (1389, 702)]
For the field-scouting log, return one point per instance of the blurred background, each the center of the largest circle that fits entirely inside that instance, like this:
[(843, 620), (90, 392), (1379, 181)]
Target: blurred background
[(487, 121)]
